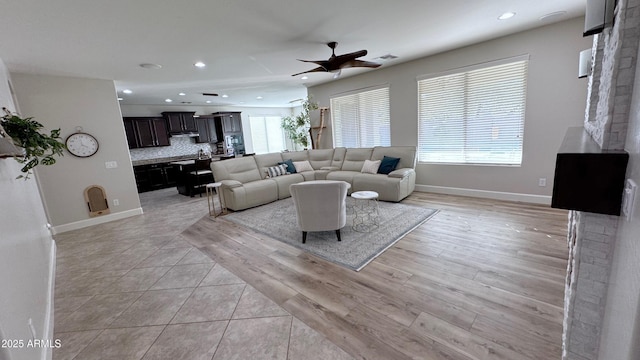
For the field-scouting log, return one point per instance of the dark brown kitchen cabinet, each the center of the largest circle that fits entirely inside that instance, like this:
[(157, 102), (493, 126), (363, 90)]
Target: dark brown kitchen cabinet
[(229, 131), (146, 132), (231, 121), (155, 176), (206, 125), (181, 122)]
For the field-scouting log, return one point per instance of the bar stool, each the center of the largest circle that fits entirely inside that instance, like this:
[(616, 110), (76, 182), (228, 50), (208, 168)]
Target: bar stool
[(201, 175), (210, 188)]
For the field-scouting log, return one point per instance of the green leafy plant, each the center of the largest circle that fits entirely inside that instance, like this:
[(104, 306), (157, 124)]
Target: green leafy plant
[(38, 148), (297, 128)]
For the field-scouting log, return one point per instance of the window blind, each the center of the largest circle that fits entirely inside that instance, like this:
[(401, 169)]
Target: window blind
[(266, 134), (474, 116), (361, 119)]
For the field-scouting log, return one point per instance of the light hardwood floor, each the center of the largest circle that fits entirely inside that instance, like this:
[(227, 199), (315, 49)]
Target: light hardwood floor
[(482, 279)]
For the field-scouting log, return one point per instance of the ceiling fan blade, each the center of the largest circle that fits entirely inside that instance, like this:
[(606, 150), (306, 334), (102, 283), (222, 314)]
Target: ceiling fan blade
[(318, 69), (359, 63), (351, 56), (323, 63)]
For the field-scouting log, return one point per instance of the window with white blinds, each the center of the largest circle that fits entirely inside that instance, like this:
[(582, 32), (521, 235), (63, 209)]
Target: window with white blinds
[(474, 116), (361, 119), (266, 134)]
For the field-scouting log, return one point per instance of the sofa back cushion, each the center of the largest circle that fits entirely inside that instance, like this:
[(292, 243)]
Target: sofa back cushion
[(242, 169), (407, 155), (355, 157), (338, 157), (265, 161), (320, 158), (296, 155)]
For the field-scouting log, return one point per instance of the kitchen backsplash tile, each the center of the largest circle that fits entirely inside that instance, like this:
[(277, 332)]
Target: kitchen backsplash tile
[(180, 146)]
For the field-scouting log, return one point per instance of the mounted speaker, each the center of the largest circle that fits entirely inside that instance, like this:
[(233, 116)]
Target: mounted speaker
[(584, 66)]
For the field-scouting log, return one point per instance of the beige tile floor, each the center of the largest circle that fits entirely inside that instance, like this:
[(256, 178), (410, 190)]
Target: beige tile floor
[(134, 289)]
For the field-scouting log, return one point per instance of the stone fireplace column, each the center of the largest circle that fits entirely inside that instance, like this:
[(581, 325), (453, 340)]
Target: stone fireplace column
[(591, 237)]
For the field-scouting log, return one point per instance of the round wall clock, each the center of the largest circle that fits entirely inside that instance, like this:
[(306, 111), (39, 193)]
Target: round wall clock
[(82, 144)]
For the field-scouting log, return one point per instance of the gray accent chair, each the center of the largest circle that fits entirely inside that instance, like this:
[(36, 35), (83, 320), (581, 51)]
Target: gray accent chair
[(320, 205)]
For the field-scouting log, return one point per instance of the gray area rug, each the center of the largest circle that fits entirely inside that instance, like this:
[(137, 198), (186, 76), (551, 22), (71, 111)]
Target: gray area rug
[(278, 220)]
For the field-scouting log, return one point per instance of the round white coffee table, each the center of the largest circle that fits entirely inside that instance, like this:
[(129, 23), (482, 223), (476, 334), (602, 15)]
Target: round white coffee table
[(365, 210)]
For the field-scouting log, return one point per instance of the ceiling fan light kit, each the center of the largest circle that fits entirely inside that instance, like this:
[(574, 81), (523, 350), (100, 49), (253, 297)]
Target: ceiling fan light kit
[(336, 63)]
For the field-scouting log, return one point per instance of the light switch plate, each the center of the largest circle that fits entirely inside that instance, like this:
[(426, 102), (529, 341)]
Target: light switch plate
[(111, 164), (628, 198)]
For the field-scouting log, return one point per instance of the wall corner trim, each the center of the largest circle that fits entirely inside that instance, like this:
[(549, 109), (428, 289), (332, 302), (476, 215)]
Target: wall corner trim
[(95, 221)]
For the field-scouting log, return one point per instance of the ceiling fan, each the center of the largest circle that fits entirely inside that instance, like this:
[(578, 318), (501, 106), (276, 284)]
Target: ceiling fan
[(336, 63)]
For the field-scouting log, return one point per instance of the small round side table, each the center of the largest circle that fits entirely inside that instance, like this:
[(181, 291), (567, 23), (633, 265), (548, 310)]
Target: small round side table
[(365, 209), (210, 200)]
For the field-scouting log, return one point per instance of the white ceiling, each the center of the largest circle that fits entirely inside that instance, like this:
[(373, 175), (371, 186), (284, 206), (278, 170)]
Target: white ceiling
[(250, 47)]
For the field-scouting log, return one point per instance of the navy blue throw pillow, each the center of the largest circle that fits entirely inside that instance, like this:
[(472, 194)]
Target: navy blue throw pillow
[(388, 164), (290, 168)]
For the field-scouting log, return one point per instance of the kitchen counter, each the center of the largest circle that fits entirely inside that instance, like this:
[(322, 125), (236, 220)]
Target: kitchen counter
[(163, 160), (174, 159)]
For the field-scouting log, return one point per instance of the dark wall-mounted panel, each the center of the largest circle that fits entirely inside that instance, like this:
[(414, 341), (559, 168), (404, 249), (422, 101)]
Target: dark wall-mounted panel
[(588, 178)]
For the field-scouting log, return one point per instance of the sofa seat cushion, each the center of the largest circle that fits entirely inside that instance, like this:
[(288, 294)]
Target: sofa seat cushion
[(283, 182), (342, 175), (250, 194), (388, 188)]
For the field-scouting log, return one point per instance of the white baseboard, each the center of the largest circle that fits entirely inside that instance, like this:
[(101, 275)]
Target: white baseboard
[(47, 353), (496, 195), (95, 221)]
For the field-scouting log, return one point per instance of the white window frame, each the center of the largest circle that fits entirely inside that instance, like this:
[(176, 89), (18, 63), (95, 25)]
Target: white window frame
[(466, 116), (361, 118)]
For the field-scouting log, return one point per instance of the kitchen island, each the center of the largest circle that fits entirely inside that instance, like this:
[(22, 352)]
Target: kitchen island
[(161, 173)]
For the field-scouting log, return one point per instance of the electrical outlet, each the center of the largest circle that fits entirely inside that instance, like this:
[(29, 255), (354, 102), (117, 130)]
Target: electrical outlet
[(111, 164), (542, 182), (116, 202)]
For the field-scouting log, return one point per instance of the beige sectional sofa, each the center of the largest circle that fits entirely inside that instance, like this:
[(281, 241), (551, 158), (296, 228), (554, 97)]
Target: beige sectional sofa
[(245, 180)]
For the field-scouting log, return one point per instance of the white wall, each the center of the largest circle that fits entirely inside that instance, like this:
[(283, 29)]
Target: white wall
[(555, 101), (27, 254), (621, 331), (66, 103)]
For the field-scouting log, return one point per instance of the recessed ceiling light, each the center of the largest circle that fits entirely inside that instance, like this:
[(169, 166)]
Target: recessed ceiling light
[(199, 64), (168, 100), (127, 91), (208, 101), (120, 99), (259, 97), (151, 66), (182, 94), (304, 77), (507, 15), (225, 95)]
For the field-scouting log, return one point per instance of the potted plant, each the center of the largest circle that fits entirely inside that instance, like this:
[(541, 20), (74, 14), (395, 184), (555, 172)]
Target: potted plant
[(38, 148), (298, 128)]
